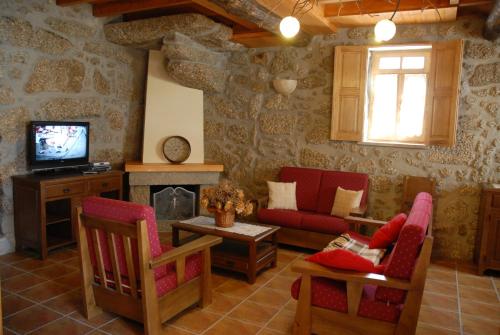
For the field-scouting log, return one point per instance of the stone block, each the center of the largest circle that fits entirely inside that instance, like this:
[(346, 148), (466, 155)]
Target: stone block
[(62, 75), (196, 75), (70, 108)]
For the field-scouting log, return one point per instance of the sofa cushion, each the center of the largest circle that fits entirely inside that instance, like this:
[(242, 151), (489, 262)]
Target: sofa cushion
[(388, 233), (404, 255), (282, 195), (331, 294), (281, 217), (324, 223), (345, 201), (342, 259), (331, 180), (308, 181)]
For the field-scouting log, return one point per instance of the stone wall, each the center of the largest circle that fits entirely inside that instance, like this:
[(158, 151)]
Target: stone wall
[(55, 64), (254, 131)]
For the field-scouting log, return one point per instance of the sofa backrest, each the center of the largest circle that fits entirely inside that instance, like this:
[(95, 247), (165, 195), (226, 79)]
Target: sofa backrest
[(331, 180), (405, 253), (308, 181)]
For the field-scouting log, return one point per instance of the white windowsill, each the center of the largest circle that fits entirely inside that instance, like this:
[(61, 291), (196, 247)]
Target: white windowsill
[(394, 144)]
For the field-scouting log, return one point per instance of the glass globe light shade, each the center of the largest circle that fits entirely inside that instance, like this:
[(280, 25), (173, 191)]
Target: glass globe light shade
[(384, 30), (289, 27)]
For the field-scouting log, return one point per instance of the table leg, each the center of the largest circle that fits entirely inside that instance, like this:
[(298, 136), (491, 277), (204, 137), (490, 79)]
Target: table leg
[(274, 238), (175, 236), (252, 262)]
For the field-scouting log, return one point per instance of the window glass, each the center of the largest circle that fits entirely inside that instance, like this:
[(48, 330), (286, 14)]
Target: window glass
[(413, 62), (389, 63), (411, 116), (385, 88)]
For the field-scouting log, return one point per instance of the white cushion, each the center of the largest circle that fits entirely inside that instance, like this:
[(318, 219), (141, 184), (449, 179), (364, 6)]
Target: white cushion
[(282, 195), (345, 201)]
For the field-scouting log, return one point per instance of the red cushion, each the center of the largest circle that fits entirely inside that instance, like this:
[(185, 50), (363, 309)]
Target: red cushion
[(331, 294), (342, 259), (331, 180), (388, 233), (324, 223), (404, 255), (280, 217), (308, 181)]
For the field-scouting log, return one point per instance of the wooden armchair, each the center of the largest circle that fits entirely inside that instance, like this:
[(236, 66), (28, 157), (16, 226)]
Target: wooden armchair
[(125, 270), (357, 311)]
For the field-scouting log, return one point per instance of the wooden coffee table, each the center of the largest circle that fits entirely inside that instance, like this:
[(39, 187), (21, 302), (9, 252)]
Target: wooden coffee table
[(238, 252)]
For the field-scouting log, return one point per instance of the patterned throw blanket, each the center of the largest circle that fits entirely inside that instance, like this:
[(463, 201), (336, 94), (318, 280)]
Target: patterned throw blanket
[(345, 242)]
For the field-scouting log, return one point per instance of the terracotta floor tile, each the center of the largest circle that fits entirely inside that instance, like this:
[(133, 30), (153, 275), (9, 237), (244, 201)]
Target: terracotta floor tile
[(480, 295), (66, 303), (475, 326), (267, 296), (63, 326), (231, 326), (30, 319), (475, 281), (424, 329), (195, 320), (96, 321), (289, 273), (63, 255), (446, 276), (440, 287), (481, 310), (97, 332), (12, 304), (31, 264), (264, 276), (439, 318), (291, 305), (254, 313), (54, 271), (222, 303), (267, 331), (7, 271), (441, 301), (71, 280), (236, 288), (21, 282), (44, 291), (283, 322), (8, 332), (122, 326), (283, 283), (73, 262), (169, 330), (467, 268), (13, 258), (218, 280), (449, 266), (285, 257)]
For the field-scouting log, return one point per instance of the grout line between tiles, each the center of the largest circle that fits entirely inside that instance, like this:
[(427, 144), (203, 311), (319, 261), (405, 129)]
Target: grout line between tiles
[(496, 288), (459, 304)]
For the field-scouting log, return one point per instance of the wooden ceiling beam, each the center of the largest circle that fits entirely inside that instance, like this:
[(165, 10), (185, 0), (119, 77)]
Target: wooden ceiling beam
[(120, 7), (312, 22), (379, 6)]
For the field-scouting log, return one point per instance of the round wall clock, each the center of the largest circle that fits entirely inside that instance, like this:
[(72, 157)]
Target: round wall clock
[(176, 149)]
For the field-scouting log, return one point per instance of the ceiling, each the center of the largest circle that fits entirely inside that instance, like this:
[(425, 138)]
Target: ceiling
[(324, 18)]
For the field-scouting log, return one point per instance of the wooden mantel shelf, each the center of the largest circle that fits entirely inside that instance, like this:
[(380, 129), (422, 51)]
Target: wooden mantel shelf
[(135, 166)]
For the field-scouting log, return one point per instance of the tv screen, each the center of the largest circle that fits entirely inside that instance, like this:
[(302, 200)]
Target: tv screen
[(58, 144)]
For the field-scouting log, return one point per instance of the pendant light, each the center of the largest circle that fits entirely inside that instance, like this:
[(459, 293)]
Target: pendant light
[(386, 29), (290, 25)]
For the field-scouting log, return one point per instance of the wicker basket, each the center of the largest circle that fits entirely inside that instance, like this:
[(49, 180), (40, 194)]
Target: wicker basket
[(224, 219)]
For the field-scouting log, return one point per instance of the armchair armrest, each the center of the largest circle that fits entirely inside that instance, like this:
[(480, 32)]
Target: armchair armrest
[(359, 211), (316, 270), (202, 243), (357, 221)]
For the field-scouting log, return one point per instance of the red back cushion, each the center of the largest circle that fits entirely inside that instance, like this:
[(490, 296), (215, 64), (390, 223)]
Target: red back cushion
[(331, 180), (308, 181), (128, 213), (388, 233), (342, 259), (404, 255)]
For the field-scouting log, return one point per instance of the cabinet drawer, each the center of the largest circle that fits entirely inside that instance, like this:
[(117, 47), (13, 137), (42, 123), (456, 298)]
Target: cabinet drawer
[(64, 189), (104, 185)]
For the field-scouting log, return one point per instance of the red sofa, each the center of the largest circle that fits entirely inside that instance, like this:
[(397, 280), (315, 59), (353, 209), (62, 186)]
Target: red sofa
[(312, 226)]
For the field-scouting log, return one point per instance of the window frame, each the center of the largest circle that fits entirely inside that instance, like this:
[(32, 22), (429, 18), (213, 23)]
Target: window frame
[(401, 51)]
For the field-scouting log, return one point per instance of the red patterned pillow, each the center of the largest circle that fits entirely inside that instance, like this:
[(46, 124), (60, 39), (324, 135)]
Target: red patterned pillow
[(342, 259), (388, 233)]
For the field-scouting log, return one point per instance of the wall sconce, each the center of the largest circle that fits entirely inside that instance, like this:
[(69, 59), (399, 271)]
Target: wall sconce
[(285, 86)]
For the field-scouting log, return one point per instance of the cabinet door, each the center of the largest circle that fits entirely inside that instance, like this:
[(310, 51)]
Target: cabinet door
[(494, 239)]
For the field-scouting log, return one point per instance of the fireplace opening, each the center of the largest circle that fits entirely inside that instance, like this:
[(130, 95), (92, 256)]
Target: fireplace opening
[(173, 203)]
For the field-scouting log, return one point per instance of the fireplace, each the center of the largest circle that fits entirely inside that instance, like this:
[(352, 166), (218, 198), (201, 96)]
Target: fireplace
[(172, 190)]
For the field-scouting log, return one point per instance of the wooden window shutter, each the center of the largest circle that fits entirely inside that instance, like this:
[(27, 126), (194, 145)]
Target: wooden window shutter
[(349, 84), (443, 93)]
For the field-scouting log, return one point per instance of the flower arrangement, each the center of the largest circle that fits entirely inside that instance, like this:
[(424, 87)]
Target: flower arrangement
[(225, 197)]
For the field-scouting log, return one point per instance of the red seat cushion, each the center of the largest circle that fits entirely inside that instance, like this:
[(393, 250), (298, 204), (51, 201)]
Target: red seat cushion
[(404, 255), (308, 181), (342, 259), (324, 223), (280, 217), (331, 294), (388, 233), (331, 180)]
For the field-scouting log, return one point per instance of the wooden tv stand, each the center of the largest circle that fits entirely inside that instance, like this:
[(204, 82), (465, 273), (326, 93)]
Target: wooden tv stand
[(45, 206)]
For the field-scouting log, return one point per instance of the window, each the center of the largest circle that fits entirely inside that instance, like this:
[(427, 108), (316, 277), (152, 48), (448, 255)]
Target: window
[(397, 85), (397, 94)]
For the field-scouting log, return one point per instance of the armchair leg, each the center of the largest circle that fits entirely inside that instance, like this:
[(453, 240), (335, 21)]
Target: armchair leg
[(303, 318), (206, 280)]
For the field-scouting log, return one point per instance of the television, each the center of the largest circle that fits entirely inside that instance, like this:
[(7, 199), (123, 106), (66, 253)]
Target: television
[(54, 145)]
